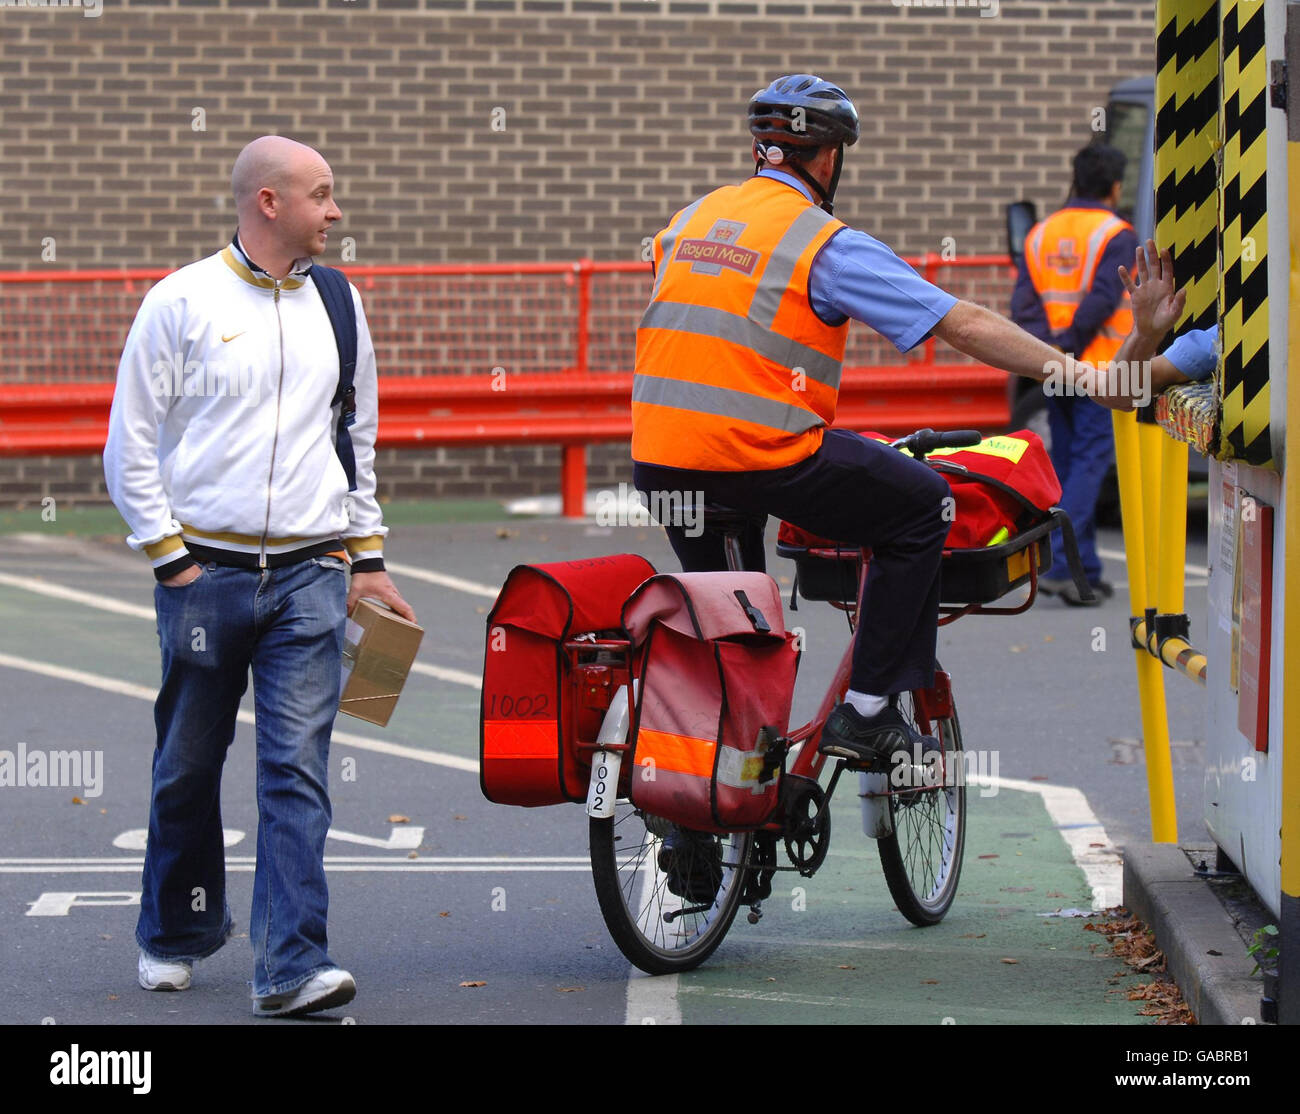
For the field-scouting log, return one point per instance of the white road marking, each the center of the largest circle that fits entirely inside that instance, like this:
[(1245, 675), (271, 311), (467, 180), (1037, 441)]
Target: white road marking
[(1119, 555), (243, 864), (1102, 865), (135, 611), (445, 580), (74, 595), (142, 692)]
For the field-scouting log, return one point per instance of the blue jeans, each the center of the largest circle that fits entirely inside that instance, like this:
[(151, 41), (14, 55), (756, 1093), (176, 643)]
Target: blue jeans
[(287, 624), (1083, 445)]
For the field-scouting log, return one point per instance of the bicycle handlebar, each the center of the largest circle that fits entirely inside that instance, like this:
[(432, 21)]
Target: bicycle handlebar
[(927, 440)]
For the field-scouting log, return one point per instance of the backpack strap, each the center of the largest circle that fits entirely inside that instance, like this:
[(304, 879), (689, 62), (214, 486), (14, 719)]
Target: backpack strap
[(336, 293)]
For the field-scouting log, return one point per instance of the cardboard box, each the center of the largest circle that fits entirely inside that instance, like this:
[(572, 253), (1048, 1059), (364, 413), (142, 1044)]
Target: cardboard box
[(378, 649)]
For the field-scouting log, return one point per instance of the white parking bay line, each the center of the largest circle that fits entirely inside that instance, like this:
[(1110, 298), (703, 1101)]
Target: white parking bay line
[(135, 611), (458, 583), (244, 864), (143, 692), (1089, 845), (1119, 555)]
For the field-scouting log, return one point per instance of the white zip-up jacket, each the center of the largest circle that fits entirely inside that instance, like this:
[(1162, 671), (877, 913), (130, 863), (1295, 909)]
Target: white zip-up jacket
[(222, 436)]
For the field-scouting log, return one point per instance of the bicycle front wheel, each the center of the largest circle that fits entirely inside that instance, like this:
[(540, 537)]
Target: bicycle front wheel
[(922, 856), (667, 896)]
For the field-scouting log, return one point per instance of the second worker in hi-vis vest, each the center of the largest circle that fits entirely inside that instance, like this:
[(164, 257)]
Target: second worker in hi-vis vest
[(737, 372), (1069, 294)]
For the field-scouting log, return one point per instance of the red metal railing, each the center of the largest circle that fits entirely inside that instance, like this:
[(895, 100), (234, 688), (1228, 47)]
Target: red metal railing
[(560, 337)]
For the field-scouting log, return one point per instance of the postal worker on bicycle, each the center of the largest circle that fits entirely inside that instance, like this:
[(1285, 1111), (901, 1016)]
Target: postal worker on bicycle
[(738, 365)]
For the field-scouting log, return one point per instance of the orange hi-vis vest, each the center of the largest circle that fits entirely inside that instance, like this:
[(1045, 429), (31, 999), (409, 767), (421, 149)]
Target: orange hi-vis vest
[(734, 370), (1061, 254)]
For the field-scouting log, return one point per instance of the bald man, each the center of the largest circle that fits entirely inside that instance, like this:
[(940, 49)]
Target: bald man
[(222, 459)]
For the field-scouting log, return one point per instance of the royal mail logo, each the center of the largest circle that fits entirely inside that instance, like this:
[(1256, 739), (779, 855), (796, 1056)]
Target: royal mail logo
[(1065, 259), (718, 254)]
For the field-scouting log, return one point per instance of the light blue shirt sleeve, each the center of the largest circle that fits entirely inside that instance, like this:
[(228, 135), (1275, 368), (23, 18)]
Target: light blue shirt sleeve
[(1194, 353), (855, 275)]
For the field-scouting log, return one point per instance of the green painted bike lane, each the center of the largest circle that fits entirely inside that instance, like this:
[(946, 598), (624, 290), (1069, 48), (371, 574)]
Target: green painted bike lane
[(834, 949)]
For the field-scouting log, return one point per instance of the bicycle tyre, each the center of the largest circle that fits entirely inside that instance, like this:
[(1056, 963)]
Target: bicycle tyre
[(633, 893), (922, 855)]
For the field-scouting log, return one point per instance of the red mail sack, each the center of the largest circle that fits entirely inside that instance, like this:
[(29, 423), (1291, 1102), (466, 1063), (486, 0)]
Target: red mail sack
[(981, 511), (717, 666), (529, 722)]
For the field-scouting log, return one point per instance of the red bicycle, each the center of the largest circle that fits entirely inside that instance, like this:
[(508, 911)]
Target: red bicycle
[(669, 912)]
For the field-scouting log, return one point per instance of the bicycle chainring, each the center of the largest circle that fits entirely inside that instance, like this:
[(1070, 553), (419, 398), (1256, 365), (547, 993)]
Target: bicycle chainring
[(807, 824)]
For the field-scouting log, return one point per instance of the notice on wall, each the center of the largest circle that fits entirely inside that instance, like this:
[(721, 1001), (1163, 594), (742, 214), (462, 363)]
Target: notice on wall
[(1256, 618)]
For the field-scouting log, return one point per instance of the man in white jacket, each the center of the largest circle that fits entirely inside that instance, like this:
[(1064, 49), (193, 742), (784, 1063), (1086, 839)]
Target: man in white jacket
[(221, 458)]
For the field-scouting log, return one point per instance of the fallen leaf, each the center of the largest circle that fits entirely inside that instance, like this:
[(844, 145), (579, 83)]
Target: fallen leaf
[(1212, 951), (444, 914), (1055, 894), (413, 855), (771, 978), (1096, 845), (847, 967), (569, 989), (103, 812), (972, 936), (1038, 777), (398, 818), (988, 856), (478, 982), (506, 532), (929, 982), (105, 936), (1049, 638), (1017, 889), (1019, 649), (1005, 960), (459, 816), (78, 801), (112, 997)]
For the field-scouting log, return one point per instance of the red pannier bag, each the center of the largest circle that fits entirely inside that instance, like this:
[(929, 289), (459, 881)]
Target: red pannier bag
[(717, 666), (529, 721)]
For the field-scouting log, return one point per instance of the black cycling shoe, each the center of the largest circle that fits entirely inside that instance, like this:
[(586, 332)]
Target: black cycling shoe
[(849, 734), (693, 863)]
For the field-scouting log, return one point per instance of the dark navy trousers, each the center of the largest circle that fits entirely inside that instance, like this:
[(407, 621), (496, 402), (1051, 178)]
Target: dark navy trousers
[(852, 490), (1083, 446)]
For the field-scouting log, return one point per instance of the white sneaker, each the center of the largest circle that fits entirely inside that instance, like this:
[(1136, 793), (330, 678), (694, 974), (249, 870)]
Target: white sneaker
[(331, 988), (164, 974)]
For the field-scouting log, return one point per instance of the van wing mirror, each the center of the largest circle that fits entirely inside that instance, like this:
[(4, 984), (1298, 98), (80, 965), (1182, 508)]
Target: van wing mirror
[(1021, 217)]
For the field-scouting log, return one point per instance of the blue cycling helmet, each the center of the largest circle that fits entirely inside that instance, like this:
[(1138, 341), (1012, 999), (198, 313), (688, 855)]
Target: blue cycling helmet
[(796, 116)]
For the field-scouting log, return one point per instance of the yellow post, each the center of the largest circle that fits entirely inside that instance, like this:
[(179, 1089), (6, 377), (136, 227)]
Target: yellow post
[(1133, 482), (1173, 526)]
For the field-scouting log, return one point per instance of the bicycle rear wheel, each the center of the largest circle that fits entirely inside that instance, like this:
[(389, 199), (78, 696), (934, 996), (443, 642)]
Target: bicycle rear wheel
[(922, 856), (660, 931)]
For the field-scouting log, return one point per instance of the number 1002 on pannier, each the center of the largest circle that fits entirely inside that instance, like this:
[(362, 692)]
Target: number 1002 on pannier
[(541, 702)]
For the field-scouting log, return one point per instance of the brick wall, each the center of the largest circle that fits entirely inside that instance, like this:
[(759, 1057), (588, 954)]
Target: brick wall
[(608, 116)]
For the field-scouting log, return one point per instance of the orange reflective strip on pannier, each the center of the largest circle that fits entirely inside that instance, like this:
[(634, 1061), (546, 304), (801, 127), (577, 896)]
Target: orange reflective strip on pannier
[(520, 738), (682, 754)]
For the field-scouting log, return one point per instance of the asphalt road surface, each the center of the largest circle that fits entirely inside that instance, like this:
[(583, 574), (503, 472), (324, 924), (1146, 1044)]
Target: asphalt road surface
[(432, 887)]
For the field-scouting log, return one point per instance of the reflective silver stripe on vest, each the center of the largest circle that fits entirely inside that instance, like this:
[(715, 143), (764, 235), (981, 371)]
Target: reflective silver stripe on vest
[(710, 322), (780, 267), (1095, 242), (704, 399), (1072, 296), (668, 240)]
